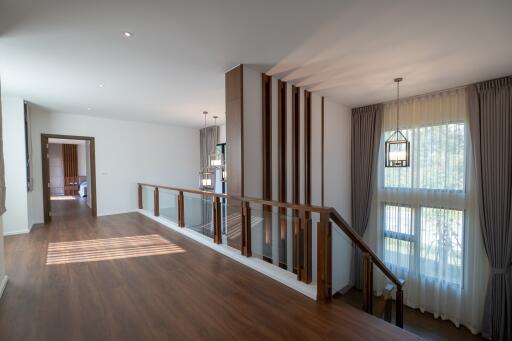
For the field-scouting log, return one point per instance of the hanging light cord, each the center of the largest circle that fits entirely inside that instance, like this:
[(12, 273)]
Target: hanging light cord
[(397, 106)]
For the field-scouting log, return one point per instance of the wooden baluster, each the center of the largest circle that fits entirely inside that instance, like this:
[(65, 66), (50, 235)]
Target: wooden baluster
[(246, 229), (324, 258), (307, 240), (217, 235), (367, 283), (399, 307), (140, 196), (157, 202), (181, 210), (296, 244)]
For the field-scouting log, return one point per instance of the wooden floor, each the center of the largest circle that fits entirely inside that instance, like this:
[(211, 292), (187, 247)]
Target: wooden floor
[(194, 294)]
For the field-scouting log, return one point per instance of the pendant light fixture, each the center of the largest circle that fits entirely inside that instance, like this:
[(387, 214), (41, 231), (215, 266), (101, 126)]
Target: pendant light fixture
[(216, 157), (206, 175), (397, 146)]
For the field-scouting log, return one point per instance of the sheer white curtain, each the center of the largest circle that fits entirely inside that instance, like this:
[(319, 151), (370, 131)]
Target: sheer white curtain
[(424, 220)]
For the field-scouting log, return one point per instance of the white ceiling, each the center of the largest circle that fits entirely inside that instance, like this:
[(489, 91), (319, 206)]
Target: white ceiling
[(57, 53)]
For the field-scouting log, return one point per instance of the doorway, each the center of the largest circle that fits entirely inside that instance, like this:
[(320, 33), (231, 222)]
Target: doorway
[(69, 175)]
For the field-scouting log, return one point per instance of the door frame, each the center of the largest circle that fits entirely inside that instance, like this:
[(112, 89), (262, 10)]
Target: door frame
[(91, 188)]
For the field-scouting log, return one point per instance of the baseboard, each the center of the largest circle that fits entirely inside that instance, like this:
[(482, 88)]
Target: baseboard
[(283, 276), (103, 214), (12, 233), (3, 284), (345, 289)]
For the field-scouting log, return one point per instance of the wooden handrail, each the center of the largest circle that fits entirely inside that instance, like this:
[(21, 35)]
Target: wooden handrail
[(333, 215), (316, 209), (349, 231)]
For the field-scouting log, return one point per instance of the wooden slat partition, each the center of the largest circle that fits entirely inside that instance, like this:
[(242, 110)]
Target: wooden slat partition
[(70, 160)]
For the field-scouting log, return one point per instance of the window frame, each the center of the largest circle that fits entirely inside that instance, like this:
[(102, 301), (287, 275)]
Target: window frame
[(424, 201)]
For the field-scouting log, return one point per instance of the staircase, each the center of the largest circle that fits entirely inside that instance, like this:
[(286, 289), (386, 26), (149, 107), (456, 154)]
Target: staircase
[(249, 225)]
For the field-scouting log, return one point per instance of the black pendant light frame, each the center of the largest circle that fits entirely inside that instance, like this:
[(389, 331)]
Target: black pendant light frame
[(397, 141)]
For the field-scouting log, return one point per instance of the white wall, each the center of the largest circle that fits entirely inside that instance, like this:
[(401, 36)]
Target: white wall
[(126, 153), (56, 168), (222, 133), (337, 177), (15, 220)]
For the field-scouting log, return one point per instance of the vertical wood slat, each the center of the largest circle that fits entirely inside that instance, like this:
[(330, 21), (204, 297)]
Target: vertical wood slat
[(307, 148), (282, 175), (322, 122), (324, 258), (156, 202), (367, 283), (246, 229), (181, 210), (70, 165), (296, 173), (266, 120), (139, 196), (306, 218), (217, 235), (399, 307)]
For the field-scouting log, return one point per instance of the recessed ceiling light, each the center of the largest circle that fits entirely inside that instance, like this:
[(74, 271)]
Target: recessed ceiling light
[(89, 109), (127, 34), (101, 85)]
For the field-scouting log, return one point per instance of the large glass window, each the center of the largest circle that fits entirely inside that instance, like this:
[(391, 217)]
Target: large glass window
[(423, 210)]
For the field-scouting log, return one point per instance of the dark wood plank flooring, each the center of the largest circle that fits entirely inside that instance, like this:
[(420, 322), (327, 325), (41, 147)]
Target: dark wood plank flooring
[(196, 294)]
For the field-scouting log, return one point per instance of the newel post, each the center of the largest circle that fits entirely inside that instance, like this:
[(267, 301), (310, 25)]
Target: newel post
[(139, 195), (217, 235), (157, 203), (324, 258), (367, 283), (181, 210)]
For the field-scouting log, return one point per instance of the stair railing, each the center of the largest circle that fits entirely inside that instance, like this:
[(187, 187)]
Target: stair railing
[(301, 224)]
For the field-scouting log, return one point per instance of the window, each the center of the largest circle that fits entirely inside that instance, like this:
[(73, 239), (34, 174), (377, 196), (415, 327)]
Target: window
[(437, 159), (424, 205)]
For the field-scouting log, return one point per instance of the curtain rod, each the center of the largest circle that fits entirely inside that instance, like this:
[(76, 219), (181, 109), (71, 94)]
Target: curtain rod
[(428, 94)]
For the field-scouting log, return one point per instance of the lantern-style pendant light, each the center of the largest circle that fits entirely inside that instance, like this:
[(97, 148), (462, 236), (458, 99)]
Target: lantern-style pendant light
[(206, 175), (397, 146), (216, 158)]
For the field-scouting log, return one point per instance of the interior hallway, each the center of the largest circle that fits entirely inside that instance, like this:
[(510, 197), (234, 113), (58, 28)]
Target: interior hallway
[(186, 292)]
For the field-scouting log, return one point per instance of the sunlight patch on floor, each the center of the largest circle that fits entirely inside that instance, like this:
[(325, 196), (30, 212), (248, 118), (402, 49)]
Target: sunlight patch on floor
[(62, 197), (110, 248)]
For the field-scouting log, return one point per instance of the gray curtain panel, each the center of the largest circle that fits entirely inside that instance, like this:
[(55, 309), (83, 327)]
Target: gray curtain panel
[(366, 131), (2, 170), (490, 113), (209, 138)]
